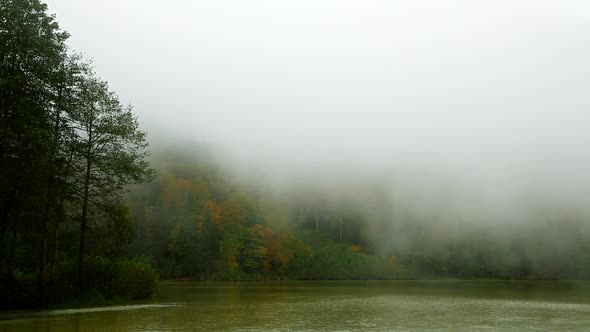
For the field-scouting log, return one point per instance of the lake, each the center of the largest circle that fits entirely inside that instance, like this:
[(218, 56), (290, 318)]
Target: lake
[(332, 306)]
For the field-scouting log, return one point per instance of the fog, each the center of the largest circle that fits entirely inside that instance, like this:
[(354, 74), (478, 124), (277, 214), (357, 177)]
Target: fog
[(456, 109)]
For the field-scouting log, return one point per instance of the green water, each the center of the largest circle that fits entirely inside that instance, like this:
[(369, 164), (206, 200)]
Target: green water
[(332, 306)]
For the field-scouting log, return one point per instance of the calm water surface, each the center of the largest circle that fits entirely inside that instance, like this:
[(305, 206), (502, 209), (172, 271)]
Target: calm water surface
[(332, 306)]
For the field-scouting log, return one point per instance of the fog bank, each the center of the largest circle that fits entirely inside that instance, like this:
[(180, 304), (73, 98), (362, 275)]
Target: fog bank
[(470, 110)]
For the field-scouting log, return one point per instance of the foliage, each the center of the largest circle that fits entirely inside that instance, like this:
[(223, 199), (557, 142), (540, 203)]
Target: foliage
[(231, 233), (134, 279), (68, 152), (197, 222), (106, 280)]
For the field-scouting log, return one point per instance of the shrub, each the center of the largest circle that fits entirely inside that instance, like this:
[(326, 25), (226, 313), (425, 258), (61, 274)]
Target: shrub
[(99, 274), (126, 278), (135, 279)]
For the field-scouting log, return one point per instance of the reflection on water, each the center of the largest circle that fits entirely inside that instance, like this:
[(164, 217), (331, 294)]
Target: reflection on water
[(332, 306), (83, 310)]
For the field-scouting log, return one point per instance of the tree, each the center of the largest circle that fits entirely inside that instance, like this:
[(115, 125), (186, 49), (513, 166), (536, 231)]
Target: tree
[(110, 152), (33, 47), (60, 151), (68, 148)]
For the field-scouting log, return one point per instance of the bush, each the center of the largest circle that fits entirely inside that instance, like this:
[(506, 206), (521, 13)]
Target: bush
[(99, 274), (18, 290), (124, 278), (135, 279)]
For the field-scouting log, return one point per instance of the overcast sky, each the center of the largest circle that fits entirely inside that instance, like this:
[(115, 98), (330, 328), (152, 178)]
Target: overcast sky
[(495, 92)]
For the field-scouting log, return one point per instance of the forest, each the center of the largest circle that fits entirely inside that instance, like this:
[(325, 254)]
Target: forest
[(88, 215), (197, 221)]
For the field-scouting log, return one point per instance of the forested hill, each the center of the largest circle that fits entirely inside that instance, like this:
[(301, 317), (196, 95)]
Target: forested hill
[(196, 221)]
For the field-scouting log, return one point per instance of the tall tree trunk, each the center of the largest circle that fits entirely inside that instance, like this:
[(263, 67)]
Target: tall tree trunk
[(3, 228), (10, 265), (317, 222), (42, 254), (340, 229), (49, 198), (60, 214), (15, 217), (84, 217), (54, 249)]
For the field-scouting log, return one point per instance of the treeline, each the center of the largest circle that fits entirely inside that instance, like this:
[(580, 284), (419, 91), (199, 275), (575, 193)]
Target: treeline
[(197, 222), (68, 149)]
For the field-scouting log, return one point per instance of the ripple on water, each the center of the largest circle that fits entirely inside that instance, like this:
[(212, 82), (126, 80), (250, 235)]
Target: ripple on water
[(235, 309), (86, 310)]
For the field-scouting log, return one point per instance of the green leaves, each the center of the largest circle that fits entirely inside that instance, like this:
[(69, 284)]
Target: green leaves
[(68, 147)]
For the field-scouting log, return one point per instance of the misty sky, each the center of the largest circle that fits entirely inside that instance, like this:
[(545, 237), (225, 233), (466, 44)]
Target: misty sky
[(493, 94)]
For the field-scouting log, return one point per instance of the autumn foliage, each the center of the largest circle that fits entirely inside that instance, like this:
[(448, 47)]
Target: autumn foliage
[(196, 224)]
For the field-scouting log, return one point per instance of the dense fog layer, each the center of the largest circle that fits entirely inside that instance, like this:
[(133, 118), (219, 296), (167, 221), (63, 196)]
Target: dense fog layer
[(459, 110)]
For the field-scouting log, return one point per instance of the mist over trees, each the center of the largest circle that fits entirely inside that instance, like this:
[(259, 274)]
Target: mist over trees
[(198, 220)]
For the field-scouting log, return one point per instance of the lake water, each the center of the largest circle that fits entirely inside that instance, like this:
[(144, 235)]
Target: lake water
[(332, 306)]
